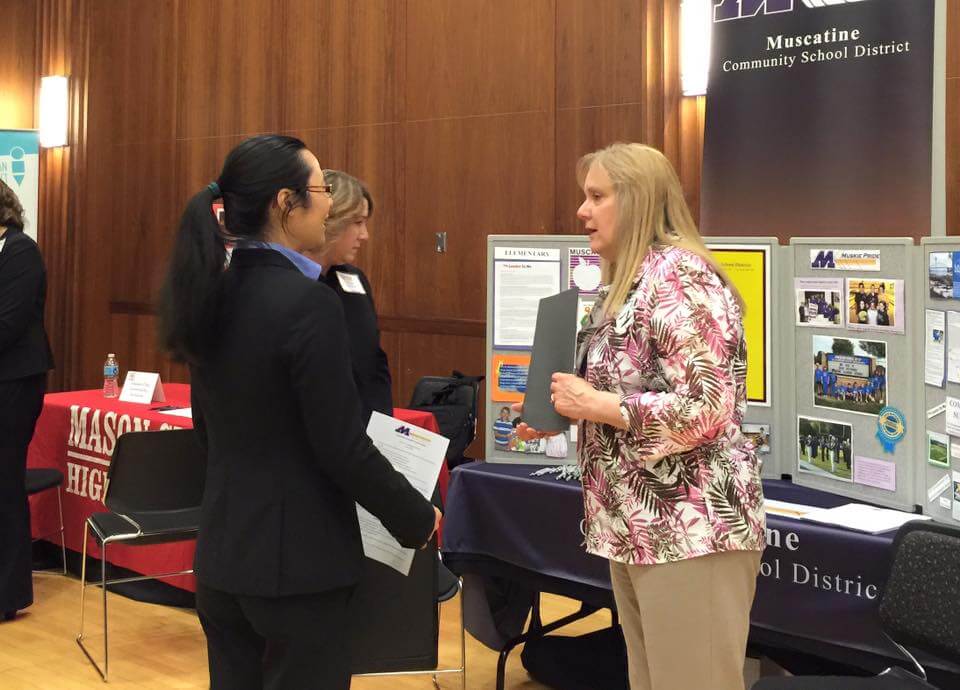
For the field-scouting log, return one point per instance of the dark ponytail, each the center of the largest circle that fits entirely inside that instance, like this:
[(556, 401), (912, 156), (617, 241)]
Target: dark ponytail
[(253, 173)]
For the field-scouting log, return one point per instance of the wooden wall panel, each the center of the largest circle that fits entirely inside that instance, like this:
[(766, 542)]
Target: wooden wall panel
[(229, 78), (470, 177), (133, 340), (349, 71), (140, 69), (19, 70), (599, 53), (479, 57)]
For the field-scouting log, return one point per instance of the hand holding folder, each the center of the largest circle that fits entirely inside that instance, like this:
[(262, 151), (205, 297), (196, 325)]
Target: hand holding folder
[(554, 345)]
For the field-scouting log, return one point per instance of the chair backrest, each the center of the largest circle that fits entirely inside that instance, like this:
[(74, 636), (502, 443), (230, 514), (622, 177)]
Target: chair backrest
[(156, 470), (919, 604), (453, 401)]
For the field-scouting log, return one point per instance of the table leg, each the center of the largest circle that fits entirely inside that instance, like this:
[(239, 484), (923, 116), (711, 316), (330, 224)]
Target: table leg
[(536, 630)]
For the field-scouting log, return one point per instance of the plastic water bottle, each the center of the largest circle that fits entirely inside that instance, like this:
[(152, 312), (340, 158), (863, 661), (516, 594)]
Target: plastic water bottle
[(111, 377)]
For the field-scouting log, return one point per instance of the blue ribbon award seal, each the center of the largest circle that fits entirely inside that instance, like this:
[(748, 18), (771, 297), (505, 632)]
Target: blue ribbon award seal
[(891, 426)]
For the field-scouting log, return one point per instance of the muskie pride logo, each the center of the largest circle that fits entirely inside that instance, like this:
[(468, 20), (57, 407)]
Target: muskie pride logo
[(93, 437), (725, 10)]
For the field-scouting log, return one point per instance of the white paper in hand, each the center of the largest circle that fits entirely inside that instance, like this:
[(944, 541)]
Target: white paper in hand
[(418, 455)]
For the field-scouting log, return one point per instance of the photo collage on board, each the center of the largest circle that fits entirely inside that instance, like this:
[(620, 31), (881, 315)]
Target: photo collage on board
[(847, 373)]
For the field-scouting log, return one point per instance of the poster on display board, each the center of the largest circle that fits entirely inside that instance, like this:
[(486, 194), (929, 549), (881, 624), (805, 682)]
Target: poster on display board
[(953, 347), (825, 448), (941, 269), (935, 336), (819, 302), (509, 377), (505, 437), (849, 374), (521, 278), (748, 266), (20, 170), (938, 449), (875, 304), (584, 270)]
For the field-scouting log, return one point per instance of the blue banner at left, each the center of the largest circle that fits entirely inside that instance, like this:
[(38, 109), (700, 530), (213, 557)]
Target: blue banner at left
[(20, 170)]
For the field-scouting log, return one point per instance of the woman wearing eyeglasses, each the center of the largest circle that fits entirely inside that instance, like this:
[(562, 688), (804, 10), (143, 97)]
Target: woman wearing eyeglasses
[(346, 232), (25, 359), (276, 408)]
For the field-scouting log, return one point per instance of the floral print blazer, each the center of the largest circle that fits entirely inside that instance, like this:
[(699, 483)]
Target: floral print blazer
[(682, 481)]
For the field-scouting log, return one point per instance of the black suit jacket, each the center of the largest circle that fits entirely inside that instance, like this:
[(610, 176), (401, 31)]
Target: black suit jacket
[(24, 348), (277, 409), (371, 371)]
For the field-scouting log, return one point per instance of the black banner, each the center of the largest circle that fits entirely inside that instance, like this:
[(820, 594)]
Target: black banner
[(819, 118)]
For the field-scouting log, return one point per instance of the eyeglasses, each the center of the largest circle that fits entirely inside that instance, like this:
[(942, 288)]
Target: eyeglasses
[(323, 188)]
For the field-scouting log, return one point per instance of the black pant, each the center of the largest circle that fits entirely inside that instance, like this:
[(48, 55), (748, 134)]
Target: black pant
[(283, 643), (20, 403)]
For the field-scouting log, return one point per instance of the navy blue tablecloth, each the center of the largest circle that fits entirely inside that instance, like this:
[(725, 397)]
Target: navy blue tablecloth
[(817, 589)]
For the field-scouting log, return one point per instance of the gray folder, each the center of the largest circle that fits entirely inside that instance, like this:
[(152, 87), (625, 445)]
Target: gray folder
[(554, 350)]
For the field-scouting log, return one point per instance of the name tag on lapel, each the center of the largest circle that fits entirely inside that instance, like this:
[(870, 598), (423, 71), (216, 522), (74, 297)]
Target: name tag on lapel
[(351, 283)]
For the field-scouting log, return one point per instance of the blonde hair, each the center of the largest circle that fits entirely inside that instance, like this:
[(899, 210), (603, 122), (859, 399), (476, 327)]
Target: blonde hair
[(349, 196), (651, 211), (11, 212)]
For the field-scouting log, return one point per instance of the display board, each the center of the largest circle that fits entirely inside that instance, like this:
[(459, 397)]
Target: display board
[(854, 320), (521, 269), (752, 264), (938, 475)]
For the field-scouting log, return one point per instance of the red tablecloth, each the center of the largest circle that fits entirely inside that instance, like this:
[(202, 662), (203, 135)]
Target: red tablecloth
[(76, 434)]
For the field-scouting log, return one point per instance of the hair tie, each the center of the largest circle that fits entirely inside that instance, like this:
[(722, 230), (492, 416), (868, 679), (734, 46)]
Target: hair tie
[(215, 188)]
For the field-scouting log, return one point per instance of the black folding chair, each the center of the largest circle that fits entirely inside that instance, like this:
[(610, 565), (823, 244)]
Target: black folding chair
[(39, 480), (918, 608), (427, 569), (154, 490)]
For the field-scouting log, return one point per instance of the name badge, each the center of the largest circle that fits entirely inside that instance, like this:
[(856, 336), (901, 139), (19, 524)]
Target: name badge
[(351, 283)]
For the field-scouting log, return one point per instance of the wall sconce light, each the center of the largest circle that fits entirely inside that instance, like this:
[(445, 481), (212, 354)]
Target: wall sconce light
[(695, 30), (54, 104)]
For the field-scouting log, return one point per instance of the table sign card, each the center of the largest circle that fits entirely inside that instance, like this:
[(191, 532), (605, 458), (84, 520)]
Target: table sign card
[(142, 387)]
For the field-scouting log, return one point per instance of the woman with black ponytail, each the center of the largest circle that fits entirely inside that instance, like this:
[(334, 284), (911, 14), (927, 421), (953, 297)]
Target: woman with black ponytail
[(276, 408)]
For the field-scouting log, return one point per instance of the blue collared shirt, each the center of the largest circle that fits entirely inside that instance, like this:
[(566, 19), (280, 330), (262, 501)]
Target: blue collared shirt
[(311, 269)]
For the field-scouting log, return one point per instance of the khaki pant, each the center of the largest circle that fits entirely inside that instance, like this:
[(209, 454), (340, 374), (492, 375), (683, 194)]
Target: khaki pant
[(686, 623)]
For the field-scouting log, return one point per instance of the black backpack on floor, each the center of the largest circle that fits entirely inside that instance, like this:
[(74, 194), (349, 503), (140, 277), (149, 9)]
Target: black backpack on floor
[(453, 401)]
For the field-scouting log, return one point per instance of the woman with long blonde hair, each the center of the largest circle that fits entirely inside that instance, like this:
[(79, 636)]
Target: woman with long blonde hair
[(672, 492)]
